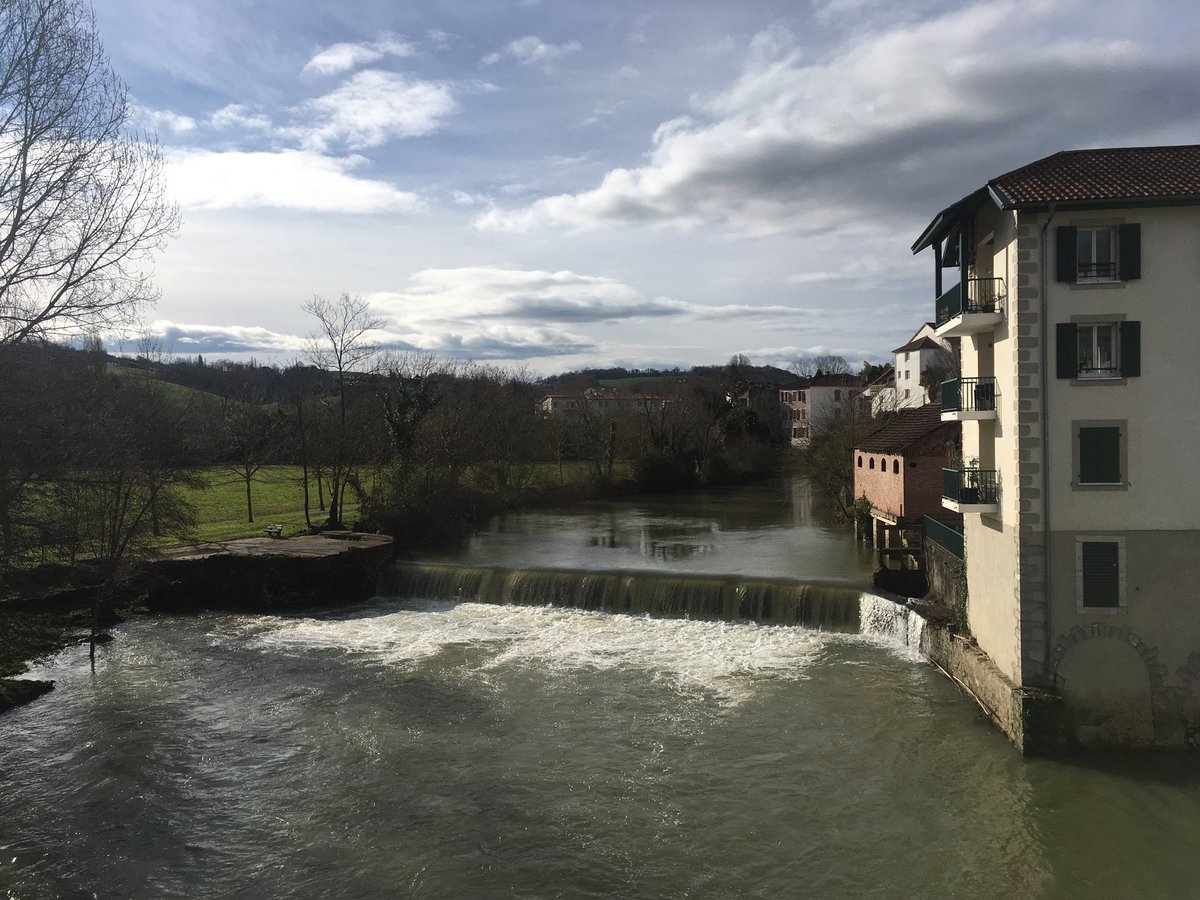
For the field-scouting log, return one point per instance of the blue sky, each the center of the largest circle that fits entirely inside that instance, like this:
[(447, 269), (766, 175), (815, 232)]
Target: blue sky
[(553, 185)]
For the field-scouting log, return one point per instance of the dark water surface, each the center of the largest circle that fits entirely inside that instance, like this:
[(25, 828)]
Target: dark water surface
[(438, 749)]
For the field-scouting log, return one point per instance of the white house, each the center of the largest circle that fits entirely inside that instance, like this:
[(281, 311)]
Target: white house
[(808, 403), (1071, 284)]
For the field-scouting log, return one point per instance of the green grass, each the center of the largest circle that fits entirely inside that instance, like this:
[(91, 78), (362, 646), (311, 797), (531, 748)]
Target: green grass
[(278, 497)]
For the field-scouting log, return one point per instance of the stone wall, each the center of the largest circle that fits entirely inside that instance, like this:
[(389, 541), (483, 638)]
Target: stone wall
[(946, 574)]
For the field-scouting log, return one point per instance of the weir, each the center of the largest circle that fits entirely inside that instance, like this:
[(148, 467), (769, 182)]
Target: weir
[(825, 604)]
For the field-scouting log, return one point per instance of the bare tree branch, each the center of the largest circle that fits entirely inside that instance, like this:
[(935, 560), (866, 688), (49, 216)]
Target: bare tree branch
[(82, 199)]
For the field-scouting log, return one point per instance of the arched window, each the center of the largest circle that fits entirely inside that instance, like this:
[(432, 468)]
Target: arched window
[(872, 462), (895, 467), (860, 462)]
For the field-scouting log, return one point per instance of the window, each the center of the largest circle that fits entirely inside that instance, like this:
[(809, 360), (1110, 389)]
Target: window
[(1095, 254), (1099, 572), (895, 467), (860, 462), (1099, 456), (871, 463), (1099, 349)]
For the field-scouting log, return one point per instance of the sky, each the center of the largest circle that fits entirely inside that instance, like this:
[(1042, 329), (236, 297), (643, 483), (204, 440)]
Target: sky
[(551, 185)]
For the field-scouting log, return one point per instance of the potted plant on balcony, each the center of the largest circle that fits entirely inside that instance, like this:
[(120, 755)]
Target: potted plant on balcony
[(969, 492)]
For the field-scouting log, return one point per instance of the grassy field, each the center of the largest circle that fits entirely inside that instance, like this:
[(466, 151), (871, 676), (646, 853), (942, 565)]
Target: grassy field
[(278, 497)]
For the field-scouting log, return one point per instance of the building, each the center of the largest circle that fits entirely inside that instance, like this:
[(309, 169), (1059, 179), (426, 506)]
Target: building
[(898, 468), (1071, 286), (808, 404), (606, 400), (924, 350)]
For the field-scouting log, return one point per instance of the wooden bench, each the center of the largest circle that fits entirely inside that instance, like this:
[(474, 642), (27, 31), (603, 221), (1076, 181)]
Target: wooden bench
[(275, 531)]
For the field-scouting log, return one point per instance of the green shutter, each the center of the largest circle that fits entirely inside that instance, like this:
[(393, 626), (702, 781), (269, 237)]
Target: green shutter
[(1067, 335), (1068, 265), (1100, 562), (1131, 349), (1129, 249), (1100, 455)]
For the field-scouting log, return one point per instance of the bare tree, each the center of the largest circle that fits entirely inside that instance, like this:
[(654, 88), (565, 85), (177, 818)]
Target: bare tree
[(82, 203), (824, 364), (340, 345), (941, 367)]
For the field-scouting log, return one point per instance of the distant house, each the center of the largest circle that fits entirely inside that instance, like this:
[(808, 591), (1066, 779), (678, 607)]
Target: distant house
[(911, 361), (808, 403), (600, 400)]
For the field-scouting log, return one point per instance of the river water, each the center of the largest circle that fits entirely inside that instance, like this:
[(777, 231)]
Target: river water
[(433, 748)]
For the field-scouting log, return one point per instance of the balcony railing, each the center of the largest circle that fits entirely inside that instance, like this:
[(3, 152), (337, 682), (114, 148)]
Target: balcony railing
[(971, 487), (984, 295), (944, 535), (969, 395)]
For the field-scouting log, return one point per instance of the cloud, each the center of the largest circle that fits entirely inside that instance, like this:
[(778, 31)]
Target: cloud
[(532, 50), (806, 145), (182, 338), (161, 120), (285, 179), (338, 58), (483, 293), (238, 115), (373, 107)]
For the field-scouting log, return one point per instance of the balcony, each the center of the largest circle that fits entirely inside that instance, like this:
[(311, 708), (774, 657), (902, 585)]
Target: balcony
[(983, 310), (970, 490), (968, 399)]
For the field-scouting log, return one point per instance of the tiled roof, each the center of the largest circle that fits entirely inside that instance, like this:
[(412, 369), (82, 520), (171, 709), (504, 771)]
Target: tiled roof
[(906, 428), (1116, 174), (1081, 178), (922, 344)]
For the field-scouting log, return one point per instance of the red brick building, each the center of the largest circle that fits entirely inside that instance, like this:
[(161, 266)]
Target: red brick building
[(899, 468)]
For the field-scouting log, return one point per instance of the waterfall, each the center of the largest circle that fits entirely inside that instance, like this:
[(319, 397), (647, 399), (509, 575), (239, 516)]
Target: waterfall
[(828, 605), (889, 618)]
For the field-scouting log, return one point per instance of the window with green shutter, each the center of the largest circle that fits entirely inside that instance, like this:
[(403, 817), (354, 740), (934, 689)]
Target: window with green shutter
[(1099, 580), (1088, 349), (1100, 455)]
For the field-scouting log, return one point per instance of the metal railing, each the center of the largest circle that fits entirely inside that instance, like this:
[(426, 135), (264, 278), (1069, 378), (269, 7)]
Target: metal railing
[(984, 295), (1104, 270), (951, 539), (971, 485), (969, 395)]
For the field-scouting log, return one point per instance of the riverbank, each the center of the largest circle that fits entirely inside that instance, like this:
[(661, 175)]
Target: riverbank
[(52, 609)]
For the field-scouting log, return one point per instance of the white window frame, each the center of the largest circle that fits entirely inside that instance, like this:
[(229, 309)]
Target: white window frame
[(1113, 371), (1082, 539), (1094, 231)]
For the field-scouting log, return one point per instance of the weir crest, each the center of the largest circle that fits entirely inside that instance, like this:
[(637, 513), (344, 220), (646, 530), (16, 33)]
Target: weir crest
[(823, 604)]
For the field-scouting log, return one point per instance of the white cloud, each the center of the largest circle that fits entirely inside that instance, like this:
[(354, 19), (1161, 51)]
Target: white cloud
[(238, 115), (532, 50), (286, 179), (183, 338), (338, 58), (374, 107), (161, 120), (808, 145)]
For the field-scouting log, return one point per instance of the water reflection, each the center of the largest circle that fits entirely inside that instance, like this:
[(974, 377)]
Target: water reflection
[(771, 529)]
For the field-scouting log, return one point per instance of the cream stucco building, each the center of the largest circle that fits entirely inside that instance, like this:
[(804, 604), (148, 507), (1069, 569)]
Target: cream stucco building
[(1073, 287)]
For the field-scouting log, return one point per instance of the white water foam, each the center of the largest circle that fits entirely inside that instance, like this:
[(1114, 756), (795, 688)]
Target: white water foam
[(722, 660), (897, 626)]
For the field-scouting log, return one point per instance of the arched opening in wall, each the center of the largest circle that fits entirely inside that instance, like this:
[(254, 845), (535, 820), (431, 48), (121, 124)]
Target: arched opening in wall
[(895, 467), (871, 463), (1106, 691), (860, 462)]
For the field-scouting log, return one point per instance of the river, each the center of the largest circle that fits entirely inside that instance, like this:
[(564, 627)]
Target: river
[(453, 749)]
